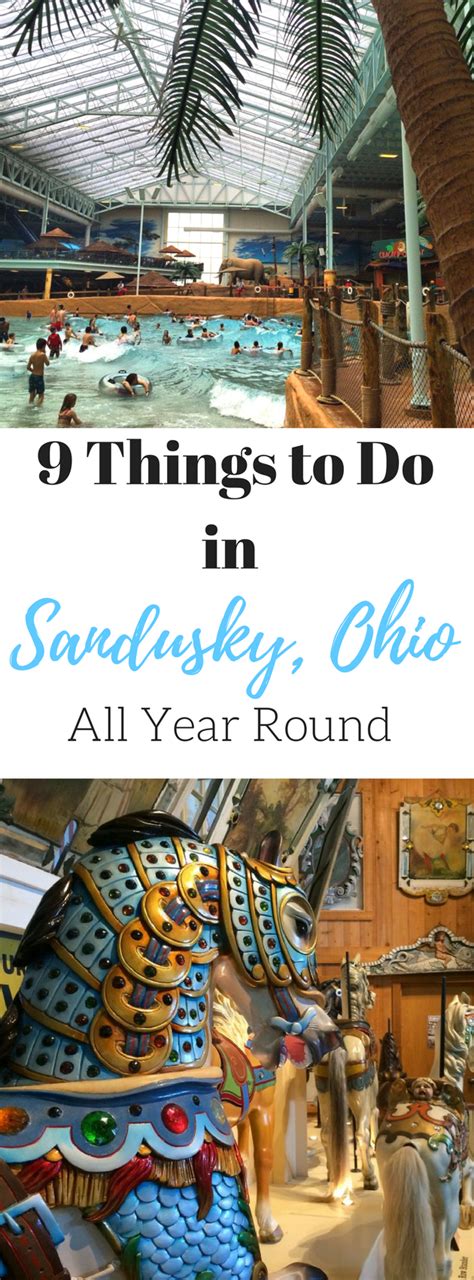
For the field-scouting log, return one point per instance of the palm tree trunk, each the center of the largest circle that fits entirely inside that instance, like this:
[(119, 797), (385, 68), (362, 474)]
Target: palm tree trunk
[(435, 96)]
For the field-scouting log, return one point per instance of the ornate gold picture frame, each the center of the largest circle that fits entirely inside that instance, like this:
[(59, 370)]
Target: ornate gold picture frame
[(436, 849)]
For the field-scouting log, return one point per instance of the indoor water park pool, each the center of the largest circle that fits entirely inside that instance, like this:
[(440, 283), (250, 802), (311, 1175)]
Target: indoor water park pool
[(195, 382)]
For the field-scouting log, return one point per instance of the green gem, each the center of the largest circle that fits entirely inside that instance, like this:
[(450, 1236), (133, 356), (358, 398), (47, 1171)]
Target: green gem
[(264, 906), (99, 1127), (174, 1057), (91, 1002)]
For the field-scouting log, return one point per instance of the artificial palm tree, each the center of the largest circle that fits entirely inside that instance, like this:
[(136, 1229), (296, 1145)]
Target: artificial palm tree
[(184, 271), (306, 255), (430, 57)]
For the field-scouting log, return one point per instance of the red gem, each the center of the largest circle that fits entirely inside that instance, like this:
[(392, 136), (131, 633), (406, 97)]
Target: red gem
[(243, 920), (174, 1118)]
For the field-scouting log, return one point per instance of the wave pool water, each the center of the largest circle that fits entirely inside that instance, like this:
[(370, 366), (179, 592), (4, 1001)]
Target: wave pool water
[(194, 384)]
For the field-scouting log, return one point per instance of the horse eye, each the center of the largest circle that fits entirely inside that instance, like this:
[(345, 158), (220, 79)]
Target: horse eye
[(298, 923)]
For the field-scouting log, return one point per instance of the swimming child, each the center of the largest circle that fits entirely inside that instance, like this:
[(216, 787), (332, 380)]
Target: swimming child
[(130, 315), (132, 380), (10, 342), (87, 340), (236, 349), (69, 332), (55, 345), (137, 334), (37, 363), (67, 416), (123, 335), (166, 339), (254, 350)]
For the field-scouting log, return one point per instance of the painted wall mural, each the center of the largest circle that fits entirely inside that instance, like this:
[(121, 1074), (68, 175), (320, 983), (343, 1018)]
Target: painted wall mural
[(123, 233)]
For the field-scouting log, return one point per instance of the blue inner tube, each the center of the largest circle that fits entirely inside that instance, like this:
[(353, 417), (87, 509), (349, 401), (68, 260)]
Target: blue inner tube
[(111, 385)]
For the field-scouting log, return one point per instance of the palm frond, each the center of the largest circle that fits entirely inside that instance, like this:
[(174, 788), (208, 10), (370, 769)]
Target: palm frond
[(322, 40), (40, 18), (462, 18), (200, 94)]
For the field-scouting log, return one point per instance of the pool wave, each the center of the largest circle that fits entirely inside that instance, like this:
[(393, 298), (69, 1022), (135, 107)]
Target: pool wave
[(262, 408)]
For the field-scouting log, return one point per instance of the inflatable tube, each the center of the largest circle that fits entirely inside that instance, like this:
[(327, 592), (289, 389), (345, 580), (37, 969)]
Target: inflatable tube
[(71, 294), (258, 289), (199, 342), (110, 386), (272, 351)]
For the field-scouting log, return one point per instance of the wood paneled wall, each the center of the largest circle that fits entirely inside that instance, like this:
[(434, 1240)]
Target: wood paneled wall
[(391, 918)]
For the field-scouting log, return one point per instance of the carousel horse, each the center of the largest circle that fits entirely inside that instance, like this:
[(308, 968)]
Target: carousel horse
[(231, 1038), (360, 1067), (458, 1056), (390, 1069), (110, 1107), (420, 1149)]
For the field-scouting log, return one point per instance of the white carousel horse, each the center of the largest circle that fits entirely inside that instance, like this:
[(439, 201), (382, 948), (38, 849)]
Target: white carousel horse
[(361, 1068), (259, 1122), (420, 1153), (458, 1056)]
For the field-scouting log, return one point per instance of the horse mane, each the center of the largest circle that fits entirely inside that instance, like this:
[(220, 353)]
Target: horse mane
[(390, 1065), (455, 1046), (138, 826), (227, 1020)]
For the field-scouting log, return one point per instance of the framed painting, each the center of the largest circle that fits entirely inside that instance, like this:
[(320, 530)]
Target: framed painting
[(436, 849)]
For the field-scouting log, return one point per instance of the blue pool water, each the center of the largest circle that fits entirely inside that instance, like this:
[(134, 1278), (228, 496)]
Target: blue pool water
[(194, 384)]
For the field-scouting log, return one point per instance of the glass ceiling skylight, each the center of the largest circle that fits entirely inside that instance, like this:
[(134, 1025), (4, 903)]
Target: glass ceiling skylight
[(84, 110)]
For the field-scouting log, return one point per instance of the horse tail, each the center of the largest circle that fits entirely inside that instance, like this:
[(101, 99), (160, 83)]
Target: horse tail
[(338, 1138), (408, 1220)]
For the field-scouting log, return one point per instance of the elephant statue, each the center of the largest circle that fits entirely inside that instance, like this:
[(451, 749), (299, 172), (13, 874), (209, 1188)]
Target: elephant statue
[(243, 268)]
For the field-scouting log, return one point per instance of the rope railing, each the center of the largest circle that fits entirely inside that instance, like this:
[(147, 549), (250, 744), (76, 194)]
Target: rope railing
[(384, 378), (460, 379)]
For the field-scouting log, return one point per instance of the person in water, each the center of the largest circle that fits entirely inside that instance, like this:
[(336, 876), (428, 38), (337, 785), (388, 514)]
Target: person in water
[(93, 324), (67, 416), (10, 342), (123, 335), (4, 327), (36, 366), (236, 349), (132, 380), (166, 339), (137, 334), (69, 332), (87, 340), (255, 349), (190, 334), (130, 315), (55, 345), (207, 333)]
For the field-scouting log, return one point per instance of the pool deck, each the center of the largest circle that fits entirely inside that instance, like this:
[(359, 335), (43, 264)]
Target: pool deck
[(304, 410), (147, 304)]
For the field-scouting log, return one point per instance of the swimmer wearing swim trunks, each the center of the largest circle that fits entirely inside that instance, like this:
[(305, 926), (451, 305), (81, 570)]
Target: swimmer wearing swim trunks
[(36, 366)]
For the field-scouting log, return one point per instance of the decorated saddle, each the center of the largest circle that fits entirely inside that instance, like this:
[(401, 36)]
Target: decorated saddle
[(432, 1110)]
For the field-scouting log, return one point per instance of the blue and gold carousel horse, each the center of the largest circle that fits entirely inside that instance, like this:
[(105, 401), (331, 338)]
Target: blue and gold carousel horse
[(109, 1097)]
